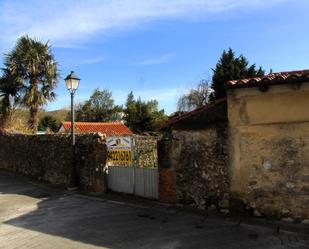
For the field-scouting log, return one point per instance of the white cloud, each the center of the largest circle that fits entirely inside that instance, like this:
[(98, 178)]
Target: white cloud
[(161, 59), (94, 60), (69, 23), (158, 94)]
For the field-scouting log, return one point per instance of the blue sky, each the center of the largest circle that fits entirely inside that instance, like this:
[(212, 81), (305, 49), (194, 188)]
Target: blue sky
[(157, 48)]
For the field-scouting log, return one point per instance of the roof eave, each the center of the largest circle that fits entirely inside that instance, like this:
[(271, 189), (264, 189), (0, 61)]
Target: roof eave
[(268, 83)]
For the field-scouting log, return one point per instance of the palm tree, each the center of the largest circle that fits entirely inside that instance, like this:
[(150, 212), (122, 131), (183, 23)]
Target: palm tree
[(33, 62), (9, 96)]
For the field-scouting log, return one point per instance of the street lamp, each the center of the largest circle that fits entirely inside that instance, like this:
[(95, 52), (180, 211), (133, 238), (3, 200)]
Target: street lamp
[(72, 82)]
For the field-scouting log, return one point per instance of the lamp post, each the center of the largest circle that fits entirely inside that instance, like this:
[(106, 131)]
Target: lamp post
[(72, 82)]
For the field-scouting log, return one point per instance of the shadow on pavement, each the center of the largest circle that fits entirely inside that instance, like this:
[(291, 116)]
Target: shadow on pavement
[(109, 224)]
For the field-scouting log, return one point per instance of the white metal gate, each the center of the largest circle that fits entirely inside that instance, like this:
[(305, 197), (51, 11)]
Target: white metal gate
[(133, 180)]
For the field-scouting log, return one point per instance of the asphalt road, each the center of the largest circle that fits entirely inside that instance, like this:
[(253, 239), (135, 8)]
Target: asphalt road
[(34, 215)]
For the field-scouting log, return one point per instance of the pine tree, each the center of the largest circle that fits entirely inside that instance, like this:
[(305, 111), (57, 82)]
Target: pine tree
[(230, 67)]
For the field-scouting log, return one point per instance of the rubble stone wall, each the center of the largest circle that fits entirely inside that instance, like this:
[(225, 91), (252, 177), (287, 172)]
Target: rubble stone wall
[(145, 151), (199, 160), (49, 158)]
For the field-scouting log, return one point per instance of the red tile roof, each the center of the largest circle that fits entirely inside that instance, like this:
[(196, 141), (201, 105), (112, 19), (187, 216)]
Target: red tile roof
[(193, 113), (109, 128), (272, 79)]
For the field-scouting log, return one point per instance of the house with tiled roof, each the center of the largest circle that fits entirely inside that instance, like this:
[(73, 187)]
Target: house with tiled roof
[(269, 134), (119, 138), (250, 149), (108, 128)]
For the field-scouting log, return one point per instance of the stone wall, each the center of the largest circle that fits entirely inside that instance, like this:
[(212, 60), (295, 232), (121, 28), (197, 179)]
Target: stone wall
[(145, 151), (274, 170), (269, 150), (198, 161), (48, 158)]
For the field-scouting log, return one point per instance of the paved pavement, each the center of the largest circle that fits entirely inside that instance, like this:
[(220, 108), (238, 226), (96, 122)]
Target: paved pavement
[(36, 216)]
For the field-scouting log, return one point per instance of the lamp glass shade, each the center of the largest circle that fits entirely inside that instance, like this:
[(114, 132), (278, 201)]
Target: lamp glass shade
[(72, 81), (72, 84)]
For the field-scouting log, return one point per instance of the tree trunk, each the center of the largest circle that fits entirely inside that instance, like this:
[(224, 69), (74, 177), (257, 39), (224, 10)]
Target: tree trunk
[(34, 108), (34, 119), (5, 113)]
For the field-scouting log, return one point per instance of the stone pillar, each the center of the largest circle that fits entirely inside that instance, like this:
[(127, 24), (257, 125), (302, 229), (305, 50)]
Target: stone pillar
[(99, 181), (167, 174), (167, 186)]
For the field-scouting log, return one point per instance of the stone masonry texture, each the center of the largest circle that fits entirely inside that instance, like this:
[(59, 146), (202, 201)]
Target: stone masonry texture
[(199, 160), (269, 150), (145, 151), (49, 158), (277, 177)]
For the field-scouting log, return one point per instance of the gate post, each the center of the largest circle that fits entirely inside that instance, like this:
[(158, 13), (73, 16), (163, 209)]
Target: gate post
[(99, 178), (167, 174), (134, 180)]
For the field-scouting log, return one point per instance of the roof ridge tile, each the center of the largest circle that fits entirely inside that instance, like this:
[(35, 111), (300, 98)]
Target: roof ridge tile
[(272, 78)]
